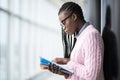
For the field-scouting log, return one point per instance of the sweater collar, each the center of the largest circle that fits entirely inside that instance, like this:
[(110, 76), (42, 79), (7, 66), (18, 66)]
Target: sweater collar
[(83, 27)]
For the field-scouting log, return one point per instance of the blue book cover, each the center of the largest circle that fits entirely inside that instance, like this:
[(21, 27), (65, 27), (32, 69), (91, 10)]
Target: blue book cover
[(44, 61)]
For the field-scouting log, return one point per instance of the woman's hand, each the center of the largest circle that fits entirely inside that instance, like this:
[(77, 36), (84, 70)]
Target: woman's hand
[(55, 69), (61, 60)]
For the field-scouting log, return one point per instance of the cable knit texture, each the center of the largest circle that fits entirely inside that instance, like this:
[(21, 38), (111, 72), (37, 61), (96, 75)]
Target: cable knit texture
[(87, 56)]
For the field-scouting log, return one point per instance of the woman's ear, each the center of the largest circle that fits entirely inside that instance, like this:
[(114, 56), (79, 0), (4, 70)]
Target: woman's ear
[(74, 16)]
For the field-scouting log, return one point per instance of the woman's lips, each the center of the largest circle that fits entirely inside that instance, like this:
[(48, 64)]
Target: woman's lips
[(65, 29)]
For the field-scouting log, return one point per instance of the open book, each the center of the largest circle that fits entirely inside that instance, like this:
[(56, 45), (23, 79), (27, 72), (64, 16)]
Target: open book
[(63, 69)]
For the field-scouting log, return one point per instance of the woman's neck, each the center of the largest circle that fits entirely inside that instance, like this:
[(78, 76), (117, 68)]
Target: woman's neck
[(80, 25)]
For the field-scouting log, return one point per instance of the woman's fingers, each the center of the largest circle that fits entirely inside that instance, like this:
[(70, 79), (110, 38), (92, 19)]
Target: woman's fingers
[(61, 60), (53, 68), (43, 67)]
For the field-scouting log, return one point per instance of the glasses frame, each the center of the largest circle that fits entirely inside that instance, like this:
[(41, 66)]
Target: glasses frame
[(62, 23)]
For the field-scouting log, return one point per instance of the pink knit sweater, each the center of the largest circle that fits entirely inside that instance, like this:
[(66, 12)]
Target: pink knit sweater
[(87, 56)]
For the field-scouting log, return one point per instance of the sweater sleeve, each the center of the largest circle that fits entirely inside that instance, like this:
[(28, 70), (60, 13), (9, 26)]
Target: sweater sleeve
[(93, 48)]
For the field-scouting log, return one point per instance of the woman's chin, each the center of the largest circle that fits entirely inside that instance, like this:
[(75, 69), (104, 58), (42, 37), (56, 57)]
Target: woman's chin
[(68, 32)]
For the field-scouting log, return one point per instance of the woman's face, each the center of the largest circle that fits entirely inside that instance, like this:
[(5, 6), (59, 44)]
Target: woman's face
[(67, 22)]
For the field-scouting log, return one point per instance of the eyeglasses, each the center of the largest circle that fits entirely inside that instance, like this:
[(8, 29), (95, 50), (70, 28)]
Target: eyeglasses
[(62, 23)]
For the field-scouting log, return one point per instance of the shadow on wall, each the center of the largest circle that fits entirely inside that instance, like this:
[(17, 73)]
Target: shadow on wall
[(110, 53)]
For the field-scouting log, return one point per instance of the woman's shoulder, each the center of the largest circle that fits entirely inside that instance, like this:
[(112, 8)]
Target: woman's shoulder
[(90, 30)]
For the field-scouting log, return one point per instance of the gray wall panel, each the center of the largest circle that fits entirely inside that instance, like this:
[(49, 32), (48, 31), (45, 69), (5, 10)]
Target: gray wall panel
[(111, 34)]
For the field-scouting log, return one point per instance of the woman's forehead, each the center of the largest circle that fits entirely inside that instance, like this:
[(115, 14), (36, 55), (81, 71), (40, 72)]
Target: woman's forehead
[(62, 15)]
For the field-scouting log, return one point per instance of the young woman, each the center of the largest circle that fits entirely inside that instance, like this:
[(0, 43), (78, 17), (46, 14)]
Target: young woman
[(86, 60)]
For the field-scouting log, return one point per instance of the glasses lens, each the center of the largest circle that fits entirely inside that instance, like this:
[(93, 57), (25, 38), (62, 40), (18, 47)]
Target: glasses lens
[(62, 25)]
